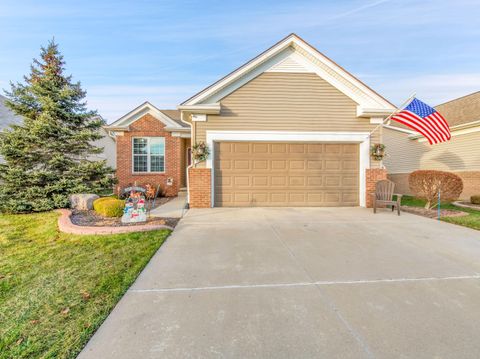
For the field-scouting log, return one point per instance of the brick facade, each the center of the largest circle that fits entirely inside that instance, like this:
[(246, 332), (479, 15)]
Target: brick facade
[(373, 175), (149, 126), (471, 183), (200, 187)]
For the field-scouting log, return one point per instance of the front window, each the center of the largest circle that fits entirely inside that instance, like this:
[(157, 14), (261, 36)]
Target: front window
[(149, 154)]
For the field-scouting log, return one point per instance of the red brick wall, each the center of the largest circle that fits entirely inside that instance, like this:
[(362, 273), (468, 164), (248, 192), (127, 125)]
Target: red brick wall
[(200, 187), (148, 126), (373, 175)]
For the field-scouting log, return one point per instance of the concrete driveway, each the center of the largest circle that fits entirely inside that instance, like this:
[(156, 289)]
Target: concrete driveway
[(302, 283)]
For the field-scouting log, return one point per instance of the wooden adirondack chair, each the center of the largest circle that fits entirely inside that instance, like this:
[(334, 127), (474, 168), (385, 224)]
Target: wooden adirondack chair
[(384, 195)]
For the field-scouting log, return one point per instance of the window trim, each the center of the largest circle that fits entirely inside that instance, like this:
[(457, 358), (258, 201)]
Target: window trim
[(149, 155)]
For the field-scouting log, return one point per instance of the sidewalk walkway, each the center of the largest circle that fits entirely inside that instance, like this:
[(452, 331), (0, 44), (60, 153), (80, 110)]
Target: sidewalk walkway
[(174, 208)]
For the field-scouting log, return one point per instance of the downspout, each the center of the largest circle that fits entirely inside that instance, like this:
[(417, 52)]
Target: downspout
[(192, 164)]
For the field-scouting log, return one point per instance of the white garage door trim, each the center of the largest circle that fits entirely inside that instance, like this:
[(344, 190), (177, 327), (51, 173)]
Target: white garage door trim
[(363, 138)]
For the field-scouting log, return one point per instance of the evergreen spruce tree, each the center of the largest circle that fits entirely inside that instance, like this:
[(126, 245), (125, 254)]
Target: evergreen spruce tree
[(47, 156)]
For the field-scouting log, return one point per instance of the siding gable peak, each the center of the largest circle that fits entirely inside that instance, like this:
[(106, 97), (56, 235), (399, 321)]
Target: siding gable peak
[(293, 54)]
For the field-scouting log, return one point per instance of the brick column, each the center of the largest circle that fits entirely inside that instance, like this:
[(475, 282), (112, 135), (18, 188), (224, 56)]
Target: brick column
[(200, 187), (373, 175)]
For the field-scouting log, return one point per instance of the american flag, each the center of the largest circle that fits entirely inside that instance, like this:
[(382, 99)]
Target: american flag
[(426, 120)]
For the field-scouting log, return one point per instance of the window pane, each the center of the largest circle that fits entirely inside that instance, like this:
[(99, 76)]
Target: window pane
[(140, 163), (157, 163), (157, 146), (140, 146)]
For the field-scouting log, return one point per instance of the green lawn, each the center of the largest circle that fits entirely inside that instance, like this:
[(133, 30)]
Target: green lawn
[(471, 221), (56, 289)]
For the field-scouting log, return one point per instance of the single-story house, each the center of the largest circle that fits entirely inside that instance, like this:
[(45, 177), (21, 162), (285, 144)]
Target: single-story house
[(107, 142), (288, 128), (408, 151)]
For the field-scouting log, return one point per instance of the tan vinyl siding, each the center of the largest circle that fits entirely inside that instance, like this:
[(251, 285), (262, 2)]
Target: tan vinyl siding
[(282, 101), (461, 153)]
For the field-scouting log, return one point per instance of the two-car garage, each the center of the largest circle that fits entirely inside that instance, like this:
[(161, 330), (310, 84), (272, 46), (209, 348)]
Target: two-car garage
[(267, 174)]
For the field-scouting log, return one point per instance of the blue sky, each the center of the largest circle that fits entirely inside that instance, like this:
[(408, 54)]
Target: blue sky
[(126, 52)]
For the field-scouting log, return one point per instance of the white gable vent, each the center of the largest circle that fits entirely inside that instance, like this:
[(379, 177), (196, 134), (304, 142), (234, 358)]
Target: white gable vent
[(289, 64)]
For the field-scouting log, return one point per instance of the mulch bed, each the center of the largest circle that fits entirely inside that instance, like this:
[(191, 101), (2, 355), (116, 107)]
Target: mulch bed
[(432, 213), (91, 218)]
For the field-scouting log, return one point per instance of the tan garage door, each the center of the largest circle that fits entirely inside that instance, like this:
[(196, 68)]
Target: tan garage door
[(286, 174)]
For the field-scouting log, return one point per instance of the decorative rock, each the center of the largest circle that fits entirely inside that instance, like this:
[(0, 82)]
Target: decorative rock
[(82, 201)]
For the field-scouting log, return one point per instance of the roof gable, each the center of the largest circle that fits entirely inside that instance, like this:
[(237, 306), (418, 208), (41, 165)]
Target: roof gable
[(167, 117), (292, 54)]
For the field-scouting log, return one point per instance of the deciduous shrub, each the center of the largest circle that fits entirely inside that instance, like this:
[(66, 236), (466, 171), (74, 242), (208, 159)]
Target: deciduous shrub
[(475, 199), (109, 206), (426, 184)]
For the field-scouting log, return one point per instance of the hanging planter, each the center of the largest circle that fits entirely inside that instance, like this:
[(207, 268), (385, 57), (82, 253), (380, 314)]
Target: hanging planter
[(200, 152), (377, 151)]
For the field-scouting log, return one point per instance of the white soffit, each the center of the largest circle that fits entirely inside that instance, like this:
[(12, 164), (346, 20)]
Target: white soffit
[(294, 53)]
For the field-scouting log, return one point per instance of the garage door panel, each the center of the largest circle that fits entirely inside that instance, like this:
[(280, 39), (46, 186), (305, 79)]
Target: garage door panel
[(260, 181), (260, 165), (278, 164), (278, 180), (278, 197), (260, 148), (333, 181), (296, 165), (242, 181), (314, 164), (285, 174), (333, 165), (351, 165)]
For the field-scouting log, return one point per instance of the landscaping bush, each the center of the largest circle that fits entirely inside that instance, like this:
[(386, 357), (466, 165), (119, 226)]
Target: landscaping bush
[(109, 206), (475, 199), (425, 184)]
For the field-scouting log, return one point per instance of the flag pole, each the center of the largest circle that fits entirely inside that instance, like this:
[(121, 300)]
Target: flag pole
[(400, 108), (438, 205)]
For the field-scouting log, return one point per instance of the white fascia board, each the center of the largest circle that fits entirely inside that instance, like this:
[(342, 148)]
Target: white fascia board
[(343, 81), (177, 129), (181, 134), (362, 138), (142, 110), (373, 112), (376, 120), (207, 108)]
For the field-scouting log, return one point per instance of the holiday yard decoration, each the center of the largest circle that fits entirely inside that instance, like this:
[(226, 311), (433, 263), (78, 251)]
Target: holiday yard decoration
[(47, 156), (135, 210)]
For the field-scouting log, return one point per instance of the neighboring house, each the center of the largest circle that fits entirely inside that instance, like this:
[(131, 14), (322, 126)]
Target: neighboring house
[(288, 128), (109, 153), (408, 151), (7, 117)]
